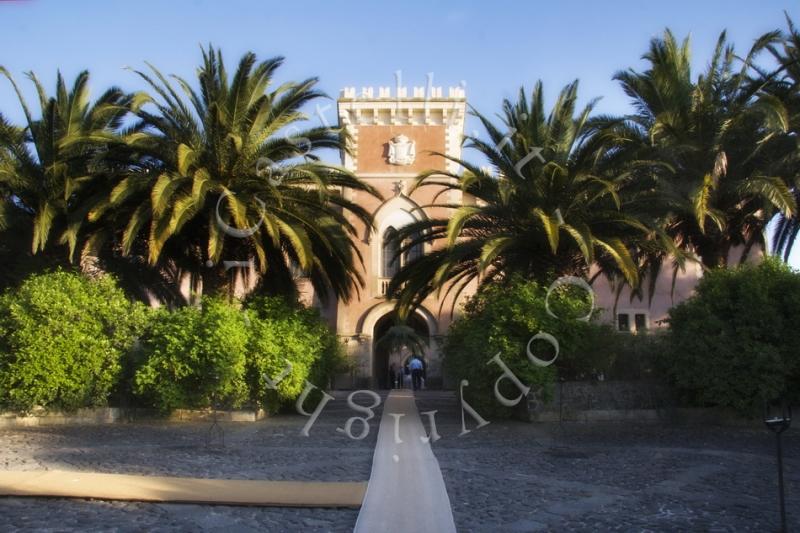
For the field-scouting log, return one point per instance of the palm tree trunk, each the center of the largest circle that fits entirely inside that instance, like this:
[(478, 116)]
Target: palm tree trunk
[(218, 282)]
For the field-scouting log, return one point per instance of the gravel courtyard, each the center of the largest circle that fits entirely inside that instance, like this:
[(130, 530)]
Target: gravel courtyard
[(514, 476), (507, 476), (270, 449)]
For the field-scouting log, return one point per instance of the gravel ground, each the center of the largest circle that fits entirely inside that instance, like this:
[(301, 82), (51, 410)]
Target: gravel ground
[(507, 476), (270, 449), (514, 476)]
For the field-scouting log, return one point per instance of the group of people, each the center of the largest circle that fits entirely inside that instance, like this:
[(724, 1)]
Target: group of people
[(412, 373)]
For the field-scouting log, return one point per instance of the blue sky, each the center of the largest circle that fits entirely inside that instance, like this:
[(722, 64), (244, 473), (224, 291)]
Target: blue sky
[(492, 47)]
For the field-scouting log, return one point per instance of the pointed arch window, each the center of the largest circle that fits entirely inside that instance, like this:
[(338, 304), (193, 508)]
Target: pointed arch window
[(393, 259), (391, 253), (415, 252)]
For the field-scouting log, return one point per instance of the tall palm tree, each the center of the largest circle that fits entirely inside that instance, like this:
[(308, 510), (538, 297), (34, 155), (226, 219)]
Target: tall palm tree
[(786, 87), (45, 167), (541, 208), (9, 134), (16, 258), (702, 148), (224, 173)]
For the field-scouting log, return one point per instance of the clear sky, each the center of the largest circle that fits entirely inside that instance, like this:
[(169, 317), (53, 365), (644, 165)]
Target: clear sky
[(491, 47)]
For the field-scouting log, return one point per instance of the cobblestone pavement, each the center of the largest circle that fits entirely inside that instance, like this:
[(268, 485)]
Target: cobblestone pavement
[(270, 449), (515, 476), (507, 476)]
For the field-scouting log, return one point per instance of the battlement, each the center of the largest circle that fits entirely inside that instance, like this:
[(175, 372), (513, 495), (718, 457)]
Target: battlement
[(425, 119), (417, 93)]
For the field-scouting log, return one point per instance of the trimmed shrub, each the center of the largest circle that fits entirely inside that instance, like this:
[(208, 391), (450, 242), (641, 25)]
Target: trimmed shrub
[(735, 343), (194, 357), (637, 357), (613, 355), (282, 333), (502, 319), (62, 338)]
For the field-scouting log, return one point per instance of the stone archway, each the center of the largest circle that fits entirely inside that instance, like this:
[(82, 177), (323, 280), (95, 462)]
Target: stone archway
[(365, 351), (383, 358)]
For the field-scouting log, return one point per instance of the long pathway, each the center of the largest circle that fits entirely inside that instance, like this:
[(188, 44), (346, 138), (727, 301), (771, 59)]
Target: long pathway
[(406, 491)]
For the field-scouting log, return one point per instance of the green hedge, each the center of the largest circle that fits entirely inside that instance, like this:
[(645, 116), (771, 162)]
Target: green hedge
[(614, 356), (220, 353), (194, 357), (67, 341), (735, 343), (62, 340), (281, 333), (502, 320)]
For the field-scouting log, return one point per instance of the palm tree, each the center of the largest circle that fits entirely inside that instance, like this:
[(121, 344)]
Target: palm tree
[(400, 336), (15, 234), (541, 209), (9, 134), (223, 172), (786, 87), (702, 149), (45, 167)]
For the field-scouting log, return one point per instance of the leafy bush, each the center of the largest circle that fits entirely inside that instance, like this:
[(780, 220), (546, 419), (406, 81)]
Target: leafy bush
[(502, 320), (735, 343), (281, 333), (62, 338), (636, 357), (194, 357), (613, 355)]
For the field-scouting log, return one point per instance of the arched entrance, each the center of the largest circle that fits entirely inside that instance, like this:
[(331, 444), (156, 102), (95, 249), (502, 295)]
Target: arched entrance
[(385, 354)]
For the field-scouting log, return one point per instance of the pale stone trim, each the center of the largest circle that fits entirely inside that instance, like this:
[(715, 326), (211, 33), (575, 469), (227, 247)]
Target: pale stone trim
[(366, 324)]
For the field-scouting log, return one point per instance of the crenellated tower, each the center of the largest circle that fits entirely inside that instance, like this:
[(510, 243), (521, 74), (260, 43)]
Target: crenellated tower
[(392, 137)]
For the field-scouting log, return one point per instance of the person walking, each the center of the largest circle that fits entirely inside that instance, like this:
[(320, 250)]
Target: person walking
[(416, 367)]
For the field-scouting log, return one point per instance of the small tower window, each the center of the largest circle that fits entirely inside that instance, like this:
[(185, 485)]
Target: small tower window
[(391, 253), (393, 260), (413, 253)]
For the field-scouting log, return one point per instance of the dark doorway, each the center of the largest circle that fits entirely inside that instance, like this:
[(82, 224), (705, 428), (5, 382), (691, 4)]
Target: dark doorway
[(382, 354)]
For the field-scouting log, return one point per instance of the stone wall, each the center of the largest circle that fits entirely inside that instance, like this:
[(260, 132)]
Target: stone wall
[(110, 415), (606, 399), (627, 401)]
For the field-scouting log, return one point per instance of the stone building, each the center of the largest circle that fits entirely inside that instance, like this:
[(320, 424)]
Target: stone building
[(391, 139), (392, 136)]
